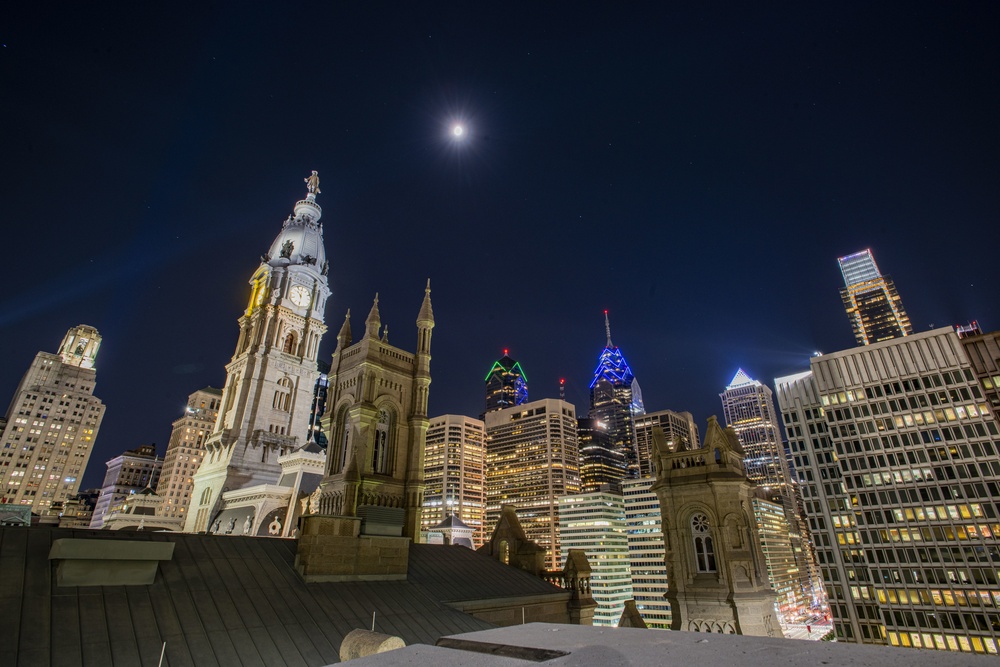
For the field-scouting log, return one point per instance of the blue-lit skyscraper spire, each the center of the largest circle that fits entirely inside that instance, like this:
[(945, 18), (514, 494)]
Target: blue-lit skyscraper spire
[(614, 400)]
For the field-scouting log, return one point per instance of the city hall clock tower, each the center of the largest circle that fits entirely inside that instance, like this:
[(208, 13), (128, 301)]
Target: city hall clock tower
[(269, 386)]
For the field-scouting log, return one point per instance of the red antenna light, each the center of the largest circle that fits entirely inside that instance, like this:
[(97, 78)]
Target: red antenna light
[(505, 352), (605, 311)]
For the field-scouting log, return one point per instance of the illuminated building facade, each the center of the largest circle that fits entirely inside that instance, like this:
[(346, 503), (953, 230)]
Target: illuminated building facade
[(646, 552), (185, 450), (615, 400), (532, 459), (128, 474), (748, 406), (898, 455), (983, 352), (595, 523), (602, 466), (506, 384), (455, 474), (271, 378), (679, 432), (51, 424), (871, 300)]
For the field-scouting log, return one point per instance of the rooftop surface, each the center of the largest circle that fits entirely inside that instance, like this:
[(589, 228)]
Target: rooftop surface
[(227, 601)]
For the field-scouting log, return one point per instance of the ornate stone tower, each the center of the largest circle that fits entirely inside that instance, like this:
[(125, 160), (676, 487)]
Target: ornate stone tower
[(269, 381), (377, 425), (717, 581)]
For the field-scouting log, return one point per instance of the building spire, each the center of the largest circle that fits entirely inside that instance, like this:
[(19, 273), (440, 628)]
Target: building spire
[(607, 328), (344, 337), (374, 321), (426, 314)]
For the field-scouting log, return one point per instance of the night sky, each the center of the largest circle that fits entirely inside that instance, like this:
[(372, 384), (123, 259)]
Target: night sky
[(696, 171)]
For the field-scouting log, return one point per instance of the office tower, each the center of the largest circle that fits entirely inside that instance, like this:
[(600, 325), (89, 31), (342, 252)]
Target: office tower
[(595, 523), (871, 300), (615, 399), (898, 456), (506, 384), (185, 450), (646, 552), (52, 423), (983, 352), (717, 581), (532, 459), (128, 474), (779, 556), (272, 376), (602, 466), (454, 474), (748, 406), (320, 392), (679, 432)]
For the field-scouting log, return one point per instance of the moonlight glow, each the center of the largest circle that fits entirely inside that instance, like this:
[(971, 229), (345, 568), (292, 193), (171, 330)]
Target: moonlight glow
[(458, 131)]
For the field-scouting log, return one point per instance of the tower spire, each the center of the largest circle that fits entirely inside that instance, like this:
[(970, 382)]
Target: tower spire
[(426, 313), (607, 328), (374, 321)]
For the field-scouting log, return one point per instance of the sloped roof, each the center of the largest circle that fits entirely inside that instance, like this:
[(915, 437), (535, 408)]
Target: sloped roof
[(452, 574), (219, 601)]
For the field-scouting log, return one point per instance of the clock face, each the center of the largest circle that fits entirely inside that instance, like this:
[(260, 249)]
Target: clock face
[(299, 295)]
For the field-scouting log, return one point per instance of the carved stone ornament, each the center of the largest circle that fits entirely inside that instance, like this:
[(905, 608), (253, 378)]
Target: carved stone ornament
[(326, 267), (286, 249), (312, 183), (309, 259)]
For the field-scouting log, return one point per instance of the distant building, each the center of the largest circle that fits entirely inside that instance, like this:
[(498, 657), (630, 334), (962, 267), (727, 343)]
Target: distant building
[(455, 475), (506, 384), (315, 433), (871, 300), (51, 424), (748, 406), (679, 431), (185, 451), (615, 400), (532, 459), (602, 465), (898, 455), (128, 474), (78, 510), (595, 524), (646, 552)]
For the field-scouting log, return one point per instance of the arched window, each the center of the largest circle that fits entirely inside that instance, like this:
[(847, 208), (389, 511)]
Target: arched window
[(290, 345), (704, 549), (504, 552), (380, 450), (341, 436), (283, 395)]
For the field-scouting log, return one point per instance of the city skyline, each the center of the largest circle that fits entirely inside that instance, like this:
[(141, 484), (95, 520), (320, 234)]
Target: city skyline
[(766, 142)]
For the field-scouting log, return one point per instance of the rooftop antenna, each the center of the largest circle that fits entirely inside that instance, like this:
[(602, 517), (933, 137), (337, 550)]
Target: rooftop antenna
[(607, 327), (562, 389)]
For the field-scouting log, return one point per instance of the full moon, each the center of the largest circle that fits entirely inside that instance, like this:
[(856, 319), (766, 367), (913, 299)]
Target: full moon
[(457, 131)]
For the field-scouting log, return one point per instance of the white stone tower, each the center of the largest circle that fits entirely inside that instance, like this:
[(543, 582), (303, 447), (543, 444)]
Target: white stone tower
[(269, 382)]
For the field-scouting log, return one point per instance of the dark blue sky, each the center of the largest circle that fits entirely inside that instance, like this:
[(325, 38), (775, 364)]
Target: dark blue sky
[(696, 171)]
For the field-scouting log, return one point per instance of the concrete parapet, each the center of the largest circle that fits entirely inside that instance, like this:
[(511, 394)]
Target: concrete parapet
[(82, 562), (331, 549)]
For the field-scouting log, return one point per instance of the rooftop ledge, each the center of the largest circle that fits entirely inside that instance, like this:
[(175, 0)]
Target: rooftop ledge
[(550, 644)]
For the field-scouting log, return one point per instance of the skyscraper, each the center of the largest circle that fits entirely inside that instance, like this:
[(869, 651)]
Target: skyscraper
[(748, 406), (128, 474), (602, 466), (871, 300), (679, 432), (615, 399), (898, 455), (646, 552), (532, 459), (506, 384), (271, 378), (51, 424), (454, 474), (185, 451), (595, 523)]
